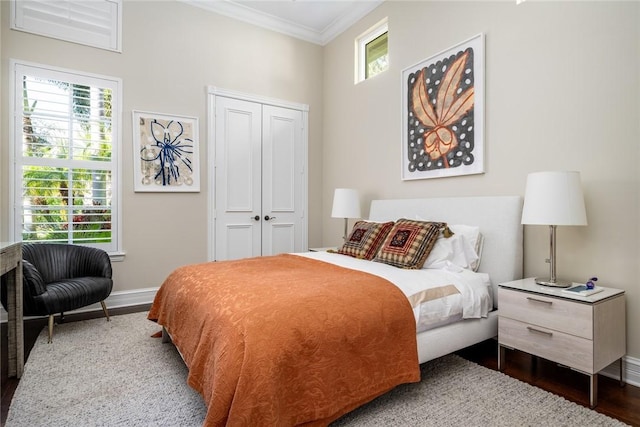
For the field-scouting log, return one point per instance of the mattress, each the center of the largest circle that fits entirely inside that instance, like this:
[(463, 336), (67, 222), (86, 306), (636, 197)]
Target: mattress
[(438, 296)]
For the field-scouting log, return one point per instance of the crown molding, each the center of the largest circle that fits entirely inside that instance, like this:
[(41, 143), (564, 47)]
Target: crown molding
[(274, 23), (353, 15)]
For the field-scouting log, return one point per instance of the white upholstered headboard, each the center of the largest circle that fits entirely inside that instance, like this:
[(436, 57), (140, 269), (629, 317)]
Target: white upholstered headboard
[(498, 218)]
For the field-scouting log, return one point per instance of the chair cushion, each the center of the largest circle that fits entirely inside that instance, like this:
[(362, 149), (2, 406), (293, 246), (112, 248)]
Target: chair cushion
[(71, 294)]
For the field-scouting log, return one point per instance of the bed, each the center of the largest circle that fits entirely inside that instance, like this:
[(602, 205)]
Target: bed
[(502, 256), (302, 339)]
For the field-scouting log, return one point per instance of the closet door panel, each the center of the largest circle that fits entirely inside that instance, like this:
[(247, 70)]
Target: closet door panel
[(282, 180), (240, 241), (283, 237), (240, 163), (238, 179), (280, 151)]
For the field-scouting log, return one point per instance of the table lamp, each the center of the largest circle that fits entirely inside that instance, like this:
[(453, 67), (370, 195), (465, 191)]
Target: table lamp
[(346, 204), (553, 198)]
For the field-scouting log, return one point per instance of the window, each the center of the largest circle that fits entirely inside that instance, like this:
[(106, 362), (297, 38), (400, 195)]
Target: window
[(66, 151), (95, 23), (372, 50)]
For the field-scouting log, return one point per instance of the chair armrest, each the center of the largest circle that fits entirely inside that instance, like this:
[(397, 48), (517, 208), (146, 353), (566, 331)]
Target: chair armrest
[(91, 262), (32, 280), (33, 289)]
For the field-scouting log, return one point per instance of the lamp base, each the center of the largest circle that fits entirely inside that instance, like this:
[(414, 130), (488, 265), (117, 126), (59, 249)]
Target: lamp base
[(555, 284)]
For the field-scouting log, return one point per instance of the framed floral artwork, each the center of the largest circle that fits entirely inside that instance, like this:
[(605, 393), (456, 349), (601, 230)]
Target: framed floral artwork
[(443, 113), (165, 153)]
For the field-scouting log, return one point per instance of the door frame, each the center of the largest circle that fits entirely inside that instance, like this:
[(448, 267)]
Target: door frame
[(212, 93)]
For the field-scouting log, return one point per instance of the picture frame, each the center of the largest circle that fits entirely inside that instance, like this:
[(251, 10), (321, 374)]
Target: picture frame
[(165, 152), (443, 113)]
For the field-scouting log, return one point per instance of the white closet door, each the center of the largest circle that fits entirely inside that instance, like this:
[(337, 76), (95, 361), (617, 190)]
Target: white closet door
[(282, 180), (238, 179), (259, 183)]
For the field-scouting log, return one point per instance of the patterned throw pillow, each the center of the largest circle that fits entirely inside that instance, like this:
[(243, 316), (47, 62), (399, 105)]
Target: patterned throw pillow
[(408, 243), (365, 239)]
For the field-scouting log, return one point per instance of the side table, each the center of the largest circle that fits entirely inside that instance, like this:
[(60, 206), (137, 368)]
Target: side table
[(11, 266), (584, 333)]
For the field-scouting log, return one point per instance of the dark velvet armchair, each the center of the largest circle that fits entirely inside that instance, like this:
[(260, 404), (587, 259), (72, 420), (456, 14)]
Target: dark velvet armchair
[(62, 277)]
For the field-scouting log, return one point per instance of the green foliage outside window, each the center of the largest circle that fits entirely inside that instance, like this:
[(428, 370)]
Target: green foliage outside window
[(376, 56)]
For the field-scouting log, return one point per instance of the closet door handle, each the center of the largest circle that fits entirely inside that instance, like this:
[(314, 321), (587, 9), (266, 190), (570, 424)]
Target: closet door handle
[(256, 218), (267, 217)]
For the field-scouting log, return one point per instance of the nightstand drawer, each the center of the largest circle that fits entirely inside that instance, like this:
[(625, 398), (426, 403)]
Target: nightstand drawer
[(558, 314), (550, 344)]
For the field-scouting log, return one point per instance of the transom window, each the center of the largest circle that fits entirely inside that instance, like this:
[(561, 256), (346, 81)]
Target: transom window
[(95, 23), (66, 145), (372, 49)]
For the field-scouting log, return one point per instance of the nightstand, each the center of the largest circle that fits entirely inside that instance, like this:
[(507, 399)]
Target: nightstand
[(585, 334)]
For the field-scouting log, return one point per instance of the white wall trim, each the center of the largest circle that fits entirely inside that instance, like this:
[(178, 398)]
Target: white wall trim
[(631, 371), (353, 15), (217, 91), (247, 14), (115, 300)]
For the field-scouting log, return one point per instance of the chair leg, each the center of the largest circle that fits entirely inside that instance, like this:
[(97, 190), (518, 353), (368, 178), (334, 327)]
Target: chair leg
[(104, 308), (50, 328)]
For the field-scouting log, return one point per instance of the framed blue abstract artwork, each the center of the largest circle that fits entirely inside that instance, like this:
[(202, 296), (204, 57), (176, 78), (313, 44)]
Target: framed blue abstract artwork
[(165, 153)]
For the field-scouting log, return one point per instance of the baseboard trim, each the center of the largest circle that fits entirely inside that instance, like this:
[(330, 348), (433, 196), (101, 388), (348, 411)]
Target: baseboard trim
[(127, 298), (115, 300), (631, 371)]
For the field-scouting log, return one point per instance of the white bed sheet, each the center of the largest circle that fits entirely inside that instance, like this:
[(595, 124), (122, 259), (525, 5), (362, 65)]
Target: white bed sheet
[(473, 301)]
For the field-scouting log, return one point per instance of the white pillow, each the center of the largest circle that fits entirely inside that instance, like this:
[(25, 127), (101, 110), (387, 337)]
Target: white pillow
[(463, 251), (452, 251), (474, 237)]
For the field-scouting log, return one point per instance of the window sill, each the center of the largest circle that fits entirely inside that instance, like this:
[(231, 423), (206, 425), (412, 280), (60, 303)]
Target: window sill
[(117, 256)]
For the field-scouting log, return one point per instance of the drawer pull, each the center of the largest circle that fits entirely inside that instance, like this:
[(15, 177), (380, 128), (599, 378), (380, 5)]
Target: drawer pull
[(540, 300), (530, 329)]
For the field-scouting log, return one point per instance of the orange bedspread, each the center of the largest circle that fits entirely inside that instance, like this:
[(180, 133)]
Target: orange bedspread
[(286, 340)]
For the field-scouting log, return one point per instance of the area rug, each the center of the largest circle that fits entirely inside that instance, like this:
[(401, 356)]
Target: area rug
[(99, 373)]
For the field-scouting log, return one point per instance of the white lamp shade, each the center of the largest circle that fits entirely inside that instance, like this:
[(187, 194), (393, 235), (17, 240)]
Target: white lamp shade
[(554, 198), (346, 203)]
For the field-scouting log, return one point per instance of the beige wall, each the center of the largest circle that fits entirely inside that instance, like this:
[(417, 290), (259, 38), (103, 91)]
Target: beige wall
[(171, 52), (562, 93)]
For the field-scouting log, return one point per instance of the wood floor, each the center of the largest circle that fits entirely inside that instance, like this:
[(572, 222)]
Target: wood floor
[(615, 401)]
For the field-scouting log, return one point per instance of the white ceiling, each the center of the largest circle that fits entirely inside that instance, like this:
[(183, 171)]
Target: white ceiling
[(316, 21)]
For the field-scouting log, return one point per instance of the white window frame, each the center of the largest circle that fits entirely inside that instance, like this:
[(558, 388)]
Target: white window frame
[(96, 23), (361, 48), (18, 69)]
